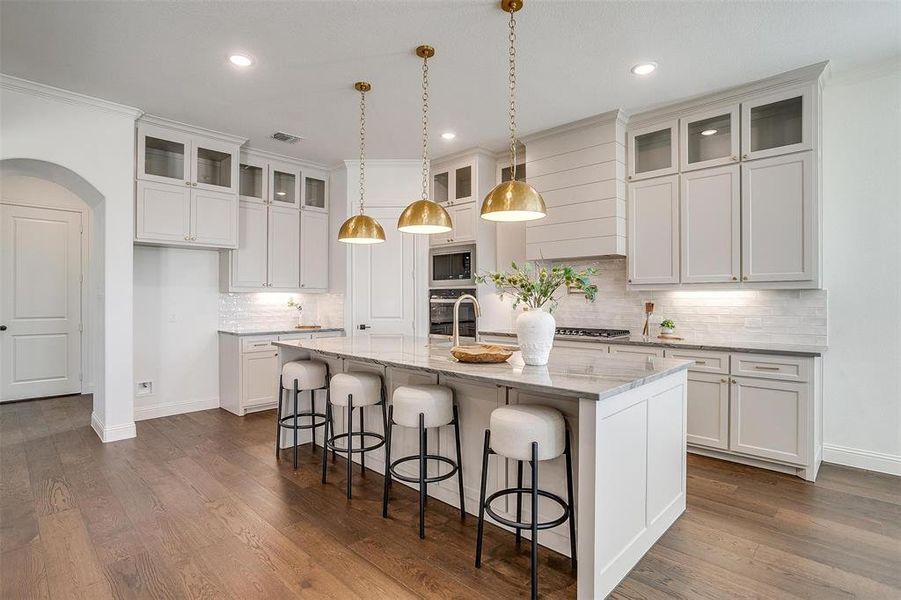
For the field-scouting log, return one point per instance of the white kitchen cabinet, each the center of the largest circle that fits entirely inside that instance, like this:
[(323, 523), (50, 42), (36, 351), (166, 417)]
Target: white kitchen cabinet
[(454, 182), (249, 261), (708, 410), (284, 184), (459, 183), (654, 231), (162, 213), (284, 248), (214, 219), (260, 387), (214, 165), (178, 155), (709, 138), (779, 224), (314, 242), (711, 225), (776, 123), (769, 419), (653, 150), (164, 155), (248, 373), (315, 191), (253, 179), (463, 216)]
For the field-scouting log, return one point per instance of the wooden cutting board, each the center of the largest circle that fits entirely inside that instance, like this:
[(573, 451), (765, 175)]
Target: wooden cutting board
[(308, 327)]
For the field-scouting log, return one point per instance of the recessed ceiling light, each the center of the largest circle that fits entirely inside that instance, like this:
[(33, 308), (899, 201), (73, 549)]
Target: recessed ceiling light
[(708, 132), (240, 60), (644, 68), (448, 135)]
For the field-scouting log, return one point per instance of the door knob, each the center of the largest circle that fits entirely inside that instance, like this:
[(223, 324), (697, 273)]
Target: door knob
[(2, 327), (363, 327)]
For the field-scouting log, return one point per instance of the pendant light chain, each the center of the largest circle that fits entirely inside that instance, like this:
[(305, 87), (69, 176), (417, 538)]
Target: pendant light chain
[(425, 128), (512, 78), (362, 146)]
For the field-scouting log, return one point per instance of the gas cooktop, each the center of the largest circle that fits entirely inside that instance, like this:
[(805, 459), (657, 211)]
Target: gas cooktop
[(593, 333)]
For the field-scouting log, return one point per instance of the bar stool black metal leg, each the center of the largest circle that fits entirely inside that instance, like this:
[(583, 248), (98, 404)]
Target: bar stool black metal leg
[(425, 446), (569, 498), (350, 443), (385, 425), (362, 454), (325, 436), (518, 500), (482, 498), (534, 559), (296, 430), (422, 474), (459, 462), (389, 420), (331, 422), (313, 420), (278, 420)]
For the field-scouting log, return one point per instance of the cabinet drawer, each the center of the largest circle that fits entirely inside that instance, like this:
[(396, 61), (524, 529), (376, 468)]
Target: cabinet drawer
[(257, 344), (705, 362), (285, 337), (635, 351), (786, 368)]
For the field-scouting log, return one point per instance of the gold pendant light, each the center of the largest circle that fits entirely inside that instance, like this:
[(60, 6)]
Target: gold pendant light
[(361, 228), (425, 216), (513, 200)]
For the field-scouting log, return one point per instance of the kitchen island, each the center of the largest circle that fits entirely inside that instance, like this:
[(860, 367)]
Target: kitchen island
[(627, 419)]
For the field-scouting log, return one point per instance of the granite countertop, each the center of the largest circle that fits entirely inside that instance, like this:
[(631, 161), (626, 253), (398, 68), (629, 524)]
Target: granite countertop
[(270, 331), (690, 343), (569, 372)]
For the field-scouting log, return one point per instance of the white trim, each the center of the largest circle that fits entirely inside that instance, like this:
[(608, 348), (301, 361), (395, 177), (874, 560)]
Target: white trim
[(862, 459), (112, 434), (41, 90), (265, 154), (612, 116), (174, 408), (193, 129)]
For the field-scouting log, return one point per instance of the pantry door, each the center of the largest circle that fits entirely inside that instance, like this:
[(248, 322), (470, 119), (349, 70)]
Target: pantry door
[(383, 276), (40, 302)]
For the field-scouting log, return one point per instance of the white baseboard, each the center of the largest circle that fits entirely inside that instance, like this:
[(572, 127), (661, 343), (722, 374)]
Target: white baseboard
[(862, 459), (174, 408), (112, 434)]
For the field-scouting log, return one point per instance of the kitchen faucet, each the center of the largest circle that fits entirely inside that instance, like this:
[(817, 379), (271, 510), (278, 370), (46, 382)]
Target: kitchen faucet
[(457, 316)]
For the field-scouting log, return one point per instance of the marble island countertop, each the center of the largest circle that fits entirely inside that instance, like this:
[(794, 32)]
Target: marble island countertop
[(569, 372), (689, 343), (273, 331)]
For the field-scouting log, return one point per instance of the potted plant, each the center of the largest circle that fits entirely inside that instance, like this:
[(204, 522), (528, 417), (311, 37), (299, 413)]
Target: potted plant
[(667, 326), (536, 286)]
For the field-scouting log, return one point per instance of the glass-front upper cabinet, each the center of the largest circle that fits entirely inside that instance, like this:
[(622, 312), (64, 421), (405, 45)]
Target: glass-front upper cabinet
[(163, 154), (507, 172), (777, 123), (314, 193), (284, 185), (252, 180), (214, 165), (441, 187), (463, 183), (653, 150), (710, 138)]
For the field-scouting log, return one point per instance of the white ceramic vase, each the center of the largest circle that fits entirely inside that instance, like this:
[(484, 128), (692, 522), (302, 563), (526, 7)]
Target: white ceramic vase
[(535, 333)]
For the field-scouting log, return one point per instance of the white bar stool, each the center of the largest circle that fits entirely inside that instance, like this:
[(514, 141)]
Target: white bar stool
[(527, 433), (307, 376), (422, 406), (353, 390)]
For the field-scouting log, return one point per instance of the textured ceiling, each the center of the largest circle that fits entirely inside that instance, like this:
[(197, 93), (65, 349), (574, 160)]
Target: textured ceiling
[(169, 59)]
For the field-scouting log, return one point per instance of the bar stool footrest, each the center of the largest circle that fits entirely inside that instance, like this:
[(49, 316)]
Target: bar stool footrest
[(284, 421), (526, 492), (361, 435), (428, 457)]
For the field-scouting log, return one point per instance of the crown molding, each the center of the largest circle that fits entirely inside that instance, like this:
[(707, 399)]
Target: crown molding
[(192, 129), (40, 90), (612, 116), (383, 162), (283, 158), (471, 151)]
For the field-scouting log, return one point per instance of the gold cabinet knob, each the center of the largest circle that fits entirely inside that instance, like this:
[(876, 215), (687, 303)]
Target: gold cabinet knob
[(724, 381), (629, 177), (733, 381), (734, 158), (194, 184), (744, 156), (188, 183), (187, 237), (629, 280), (734, 278), (745, 278)]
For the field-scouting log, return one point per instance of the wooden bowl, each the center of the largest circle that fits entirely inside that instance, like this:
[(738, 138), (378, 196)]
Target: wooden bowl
[(482, 353)]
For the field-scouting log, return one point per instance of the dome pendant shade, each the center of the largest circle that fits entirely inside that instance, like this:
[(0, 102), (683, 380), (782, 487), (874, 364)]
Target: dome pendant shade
[(513, 201), (424, 216), (361, 229)]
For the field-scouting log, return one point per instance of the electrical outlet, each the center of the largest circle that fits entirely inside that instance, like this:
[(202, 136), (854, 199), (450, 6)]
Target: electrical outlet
[(753, 323), (172, 318), (145, 388)]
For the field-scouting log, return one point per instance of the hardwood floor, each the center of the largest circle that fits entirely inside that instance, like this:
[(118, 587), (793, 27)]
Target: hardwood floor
[(198, 507)]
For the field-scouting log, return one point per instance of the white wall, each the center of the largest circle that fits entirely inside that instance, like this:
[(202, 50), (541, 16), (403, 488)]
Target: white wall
[(176, 345), (94, 140), (862, 267)]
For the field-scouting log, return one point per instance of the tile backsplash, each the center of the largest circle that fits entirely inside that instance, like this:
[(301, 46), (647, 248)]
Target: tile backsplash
[(271, 310), (778, 316)]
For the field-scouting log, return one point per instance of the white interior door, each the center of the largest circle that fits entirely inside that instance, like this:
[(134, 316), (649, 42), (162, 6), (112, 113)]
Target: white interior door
[(40, 302), (383, 276)]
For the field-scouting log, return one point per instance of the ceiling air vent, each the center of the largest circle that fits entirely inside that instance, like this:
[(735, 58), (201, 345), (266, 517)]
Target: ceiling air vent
[(288, 138)]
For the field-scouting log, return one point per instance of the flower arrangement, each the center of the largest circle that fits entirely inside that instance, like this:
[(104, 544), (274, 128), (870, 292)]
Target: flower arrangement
[(536, 285), (668, 324)]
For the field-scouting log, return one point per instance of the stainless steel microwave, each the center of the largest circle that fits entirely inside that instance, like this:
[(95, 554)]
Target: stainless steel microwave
[(452, 266)]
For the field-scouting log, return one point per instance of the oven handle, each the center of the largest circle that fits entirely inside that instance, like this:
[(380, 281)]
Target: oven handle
[(448, 301)]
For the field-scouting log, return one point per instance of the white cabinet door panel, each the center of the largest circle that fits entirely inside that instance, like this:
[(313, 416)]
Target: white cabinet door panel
[(260, 378), (769, 419), (248, 262), (711, 225), (284, 248), (162, 213), (708, 410), (653, 224), (778, 123), (464, 217), (314, 243), (214, 219), (778, 221)]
